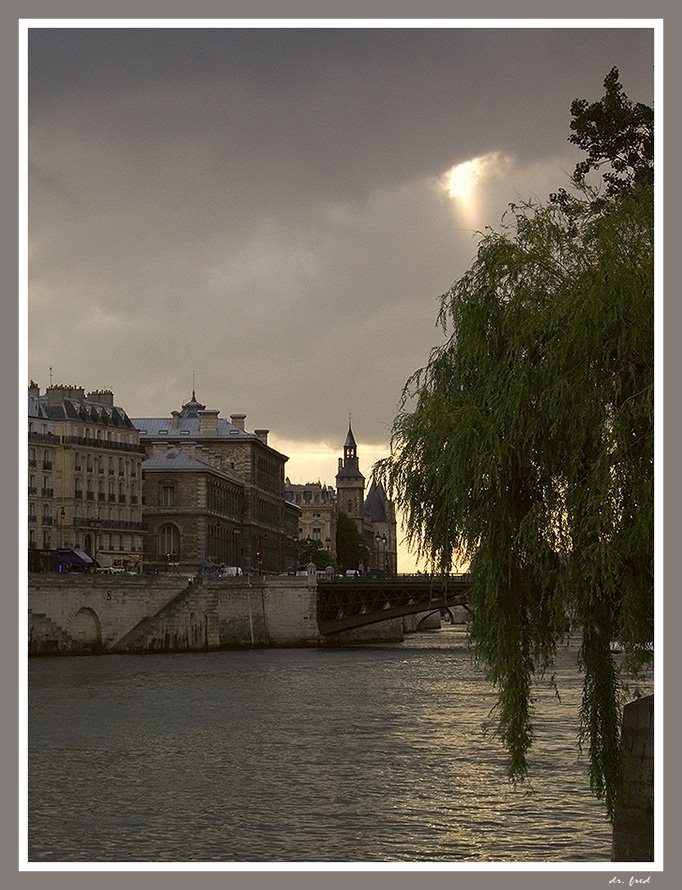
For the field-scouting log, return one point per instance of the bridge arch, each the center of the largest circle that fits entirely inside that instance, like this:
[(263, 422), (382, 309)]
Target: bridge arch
[(85, 629), (440, 612)]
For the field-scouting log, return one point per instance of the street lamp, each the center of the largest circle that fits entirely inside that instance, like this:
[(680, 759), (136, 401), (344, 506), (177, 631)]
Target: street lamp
[(96, 525), (380, 539)]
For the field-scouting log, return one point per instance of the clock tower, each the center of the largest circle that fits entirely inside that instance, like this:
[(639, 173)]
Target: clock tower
[(350, 483)]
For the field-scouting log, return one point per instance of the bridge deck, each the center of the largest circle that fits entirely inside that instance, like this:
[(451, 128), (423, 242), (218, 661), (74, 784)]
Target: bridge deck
[(348, 603)]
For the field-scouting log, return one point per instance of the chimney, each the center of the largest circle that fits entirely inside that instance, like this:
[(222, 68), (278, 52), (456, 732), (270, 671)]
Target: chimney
[(238, 420), (57, 394), (208, 423), (262, 435), (101, 397), (34, 389)]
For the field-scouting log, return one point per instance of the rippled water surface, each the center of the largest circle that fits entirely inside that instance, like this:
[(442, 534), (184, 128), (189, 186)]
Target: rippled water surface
[(357, 754)]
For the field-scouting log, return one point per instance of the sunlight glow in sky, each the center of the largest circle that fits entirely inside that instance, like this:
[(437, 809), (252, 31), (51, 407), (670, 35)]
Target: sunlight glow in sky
[(460, 181)]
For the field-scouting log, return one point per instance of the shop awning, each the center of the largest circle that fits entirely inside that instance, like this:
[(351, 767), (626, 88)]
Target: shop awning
[(74, 558)]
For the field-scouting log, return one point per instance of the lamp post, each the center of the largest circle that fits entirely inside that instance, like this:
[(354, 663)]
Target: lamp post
[(380, 541), (96, 525)]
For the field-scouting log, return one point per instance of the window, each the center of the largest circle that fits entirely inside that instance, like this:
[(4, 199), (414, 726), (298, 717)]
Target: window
[(317, 534), (169, 541), (168, 495)]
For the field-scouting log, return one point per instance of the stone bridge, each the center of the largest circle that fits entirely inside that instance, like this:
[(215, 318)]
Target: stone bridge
[(348, 603), (71, 613)]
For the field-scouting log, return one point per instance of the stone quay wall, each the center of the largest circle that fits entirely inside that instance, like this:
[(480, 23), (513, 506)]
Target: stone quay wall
[(75, 613)]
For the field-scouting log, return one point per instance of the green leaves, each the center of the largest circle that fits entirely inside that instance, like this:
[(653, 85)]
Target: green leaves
[(526, 443)]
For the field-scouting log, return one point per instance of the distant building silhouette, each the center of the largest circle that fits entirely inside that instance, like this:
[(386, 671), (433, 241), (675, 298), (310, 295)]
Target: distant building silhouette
[(374, 515)]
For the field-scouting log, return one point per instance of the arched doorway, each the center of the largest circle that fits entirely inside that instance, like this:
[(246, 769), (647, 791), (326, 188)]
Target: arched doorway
[(168, 538)]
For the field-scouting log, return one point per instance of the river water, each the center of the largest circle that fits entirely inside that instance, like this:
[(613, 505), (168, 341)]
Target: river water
[(363, 754)]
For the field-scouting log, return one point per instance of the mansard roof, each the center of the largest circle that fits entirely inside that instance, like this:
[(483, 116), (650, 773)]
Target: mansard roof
[(188, 427), (187, 423), (87, 412)]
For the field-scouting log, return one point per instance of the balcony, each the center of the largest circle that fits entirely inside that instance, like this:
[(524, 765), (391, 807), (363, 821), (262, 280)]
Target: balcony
[(47, 520), (121, 499), (32, 518), (108, 524), (90, 495), (133, 499), (99, 443), (32, 491), (47, 464), (101, 496), (47, 493), (33, 463), (112, 498), (111, 472), (48, 438), (78, 495)]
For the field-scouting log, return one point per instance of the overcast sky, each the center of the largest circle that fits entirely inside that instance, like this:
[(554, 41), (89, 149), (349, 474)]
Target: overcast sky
[(266, 208)]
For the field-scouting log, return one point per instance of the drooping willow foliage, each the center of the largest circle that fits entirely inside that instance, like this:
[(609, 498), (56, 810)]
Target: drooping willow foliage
[(525, 448)]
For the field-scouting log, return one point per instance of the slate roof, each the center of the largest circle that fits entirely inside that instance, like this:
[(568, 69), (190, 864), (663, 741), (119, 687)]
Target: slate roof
[(350, 439), (375, 503), (36, 408), (187, 427), (187, 423), (89, 412), (177, 459)]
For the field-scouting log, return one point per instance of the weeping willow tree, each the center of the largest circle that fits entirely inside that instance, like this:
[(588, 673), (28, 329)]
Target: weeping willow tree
[(525, 446)]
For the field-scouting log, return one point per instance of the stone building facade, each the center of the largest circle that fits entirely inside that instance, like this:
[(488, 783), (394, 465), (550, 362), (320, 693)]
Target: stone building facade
[(262, 535), (44, 512), (317, 503), (85, 480), (192, 511)]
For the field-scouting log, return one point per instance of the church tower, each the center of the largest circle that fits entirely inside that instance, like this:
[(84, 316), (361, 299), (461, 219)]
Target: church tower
[(350, 483)]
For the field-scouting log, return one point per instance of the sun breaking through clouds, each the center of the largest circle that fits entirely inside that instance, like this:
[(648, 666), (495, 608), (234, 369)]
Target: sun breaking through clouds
[(460, 181)]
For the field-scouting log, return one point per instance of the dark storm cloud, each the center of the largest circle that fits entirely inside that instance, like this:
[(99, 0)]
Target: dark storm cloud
[(261, 205)]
